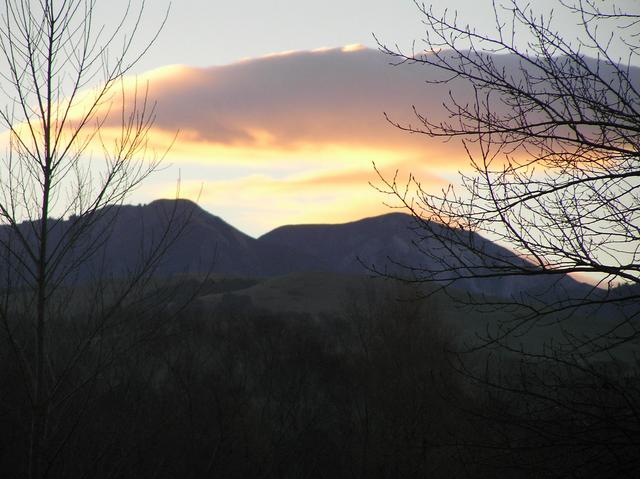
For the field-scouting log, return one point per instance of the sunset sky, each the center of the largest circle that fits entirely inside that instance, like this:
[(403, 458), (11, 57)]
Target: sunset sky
[(278, 106), (292, 138)]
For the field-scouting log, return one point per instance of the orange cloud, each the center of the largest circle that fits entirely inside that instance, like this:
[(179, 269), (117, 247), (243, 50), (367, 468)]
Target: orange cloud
[(292, 100)]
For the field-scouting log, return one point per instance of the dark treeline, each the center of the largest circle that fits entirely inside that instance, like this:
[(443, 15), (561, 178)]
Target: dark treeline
[(235, 391)]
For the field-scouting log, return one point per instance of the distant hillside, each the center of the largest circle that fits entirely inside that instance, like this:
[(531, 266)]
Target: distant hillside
[(122, 238), (199, 242), (169, 236), (394, 244)]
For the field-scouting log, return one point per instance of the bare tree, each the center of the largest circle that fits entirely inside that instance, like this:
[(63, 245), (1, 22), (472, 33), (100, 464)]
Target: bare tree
[(552, 133), (61, 70), (551, 126)]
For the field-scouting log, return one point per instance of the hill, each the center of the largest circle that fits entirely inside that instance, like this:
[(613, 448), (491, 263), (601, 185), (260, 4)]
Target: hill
[(177, 236)]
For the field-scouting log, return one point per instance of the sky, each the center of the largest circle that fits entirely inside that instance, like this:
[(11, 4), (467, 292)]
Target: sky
[(278, 105), (218, 32), (320, 135)]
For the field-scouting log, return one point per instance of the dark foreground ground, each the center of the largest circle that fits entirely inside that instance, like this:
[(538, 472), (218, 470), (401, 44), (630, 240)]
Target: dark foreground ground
[(313, 376)]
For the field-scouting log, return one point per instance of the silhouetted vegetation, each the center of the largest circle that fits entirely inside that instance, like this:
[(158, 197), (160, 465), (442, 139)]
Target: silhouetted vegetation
[(240, 392), (237, 391), (548, 119), (61, 71)]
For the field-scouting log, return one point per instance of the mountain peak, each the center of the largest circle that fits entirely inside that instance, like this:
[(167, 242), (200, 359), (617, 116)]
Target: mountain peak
[(178, 204), (201, 242)]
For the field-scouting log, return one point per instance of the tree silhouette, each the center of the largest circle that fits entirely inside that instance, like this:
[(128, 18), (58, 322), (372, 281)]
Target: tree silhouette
[(61, 71), (552, 131)]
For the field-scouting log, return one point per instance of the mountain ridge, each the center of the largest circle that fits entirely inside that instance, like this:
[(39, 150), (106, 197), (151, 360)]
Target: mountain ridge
[(197, 241)]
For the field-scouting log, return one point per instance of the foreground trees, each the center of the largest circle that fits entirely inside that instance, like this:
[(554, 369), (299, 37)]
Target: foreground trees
[(552, 130), (229, 390), (60, 71)]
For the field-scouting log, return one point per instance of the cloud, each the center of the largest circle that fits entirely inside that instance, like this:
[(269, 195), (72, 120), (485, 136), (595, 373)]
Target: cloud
[(295, 100)]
